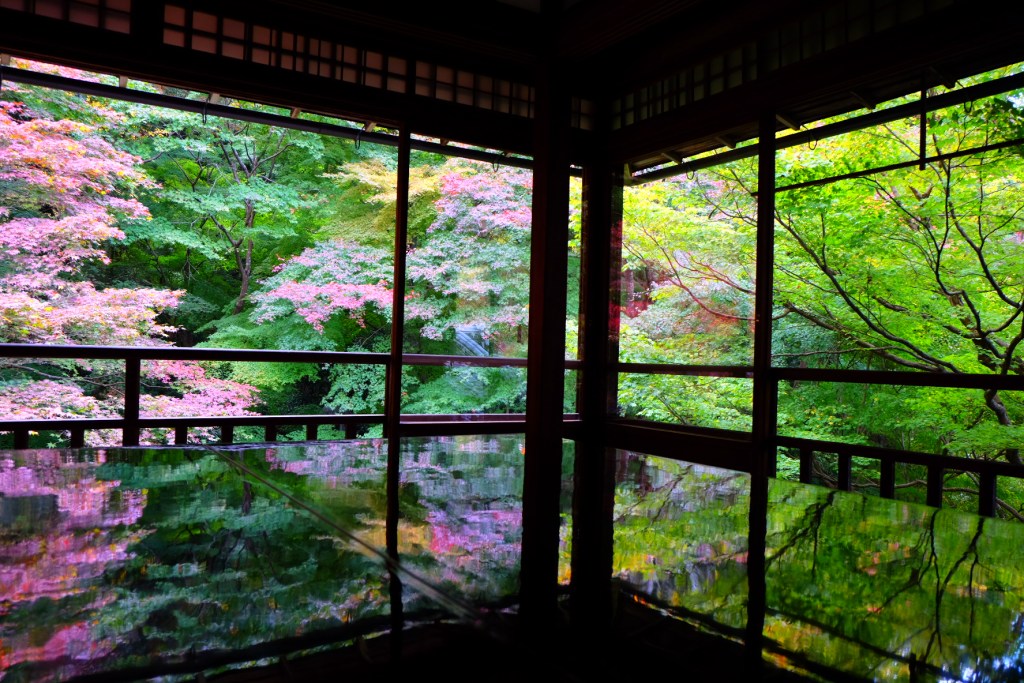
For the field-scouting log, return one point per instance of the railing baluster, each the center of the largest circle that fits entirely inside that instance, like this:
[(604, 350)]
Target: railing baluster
[(270, 433), (20, 438), (935, 475), (311, 431), (987, 495), (181, 435), (351, 430), (132, 378), (806, 465), (77, 438), (227, 434), (845, 467), (887, 478)]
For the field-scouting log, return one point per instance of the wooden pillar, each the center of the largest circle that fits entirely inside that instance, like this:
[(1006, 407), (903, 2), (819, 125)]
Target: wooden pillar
[(132, 379), (393, 377), (393, 386), (546, 354), (844, 472), (765, 394), (594, 482), (806, 465), (887, 478)]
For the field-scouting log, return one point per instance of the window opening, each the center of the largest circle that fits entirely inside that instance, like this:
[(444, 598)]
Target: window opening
[(216, 205)]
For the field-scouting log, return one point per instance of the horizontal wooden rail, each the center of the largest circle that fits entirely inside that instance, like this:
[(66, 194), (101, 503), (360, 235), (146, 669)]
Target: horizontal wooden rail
[(881, 377), (132, 421), (410, 425), (741, 371), (948, 380), (39, 351)]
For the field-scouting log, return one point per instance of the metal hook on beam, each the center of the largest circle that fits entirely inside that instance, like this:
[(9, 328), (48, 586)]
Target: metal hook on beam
[(494, 167)]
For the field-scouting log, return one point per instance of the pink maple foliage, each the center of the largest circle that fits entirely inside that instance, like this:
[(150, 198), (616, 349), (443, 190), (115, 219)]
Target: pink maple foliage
[(470, 269), (63, 191), (476, 252), (332, 278)]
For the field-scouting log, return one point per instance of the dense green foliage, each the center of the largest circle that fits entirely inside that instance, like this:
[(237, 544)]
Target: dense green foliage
[(915, 268)]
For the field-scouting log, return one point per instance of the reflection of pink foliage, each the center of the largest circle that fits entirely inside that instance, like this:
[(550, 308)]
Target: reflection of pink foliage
[(84, 499), (333, 462), (475, 535), (59, 565), (74, 642), (75, 542)]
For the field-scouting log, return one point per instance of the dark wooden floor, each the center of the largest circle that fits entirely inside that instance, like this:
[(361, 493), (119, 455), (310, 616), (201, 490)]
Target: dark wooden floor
[(642, 642)]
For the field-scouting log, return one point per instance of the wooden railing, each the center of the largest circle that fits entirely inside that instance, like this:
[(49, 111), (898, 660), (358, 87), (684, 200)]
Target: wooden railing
[(731, 449), (131, 423), (626, 433)]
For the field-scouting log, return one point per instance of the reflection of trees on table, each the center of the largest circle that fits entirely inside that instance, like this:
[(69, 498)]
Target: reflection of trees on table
[(864, 585), (681, 535), (143, 558), (879, 587)]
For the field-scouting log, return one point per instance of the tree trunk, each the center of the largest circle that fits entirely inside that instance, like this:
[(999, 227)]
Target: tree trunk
[(245, 271)]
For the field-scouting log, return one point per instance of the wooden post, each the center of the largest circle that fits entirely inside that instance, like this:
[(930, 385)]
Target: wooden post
[(594, 482), (393, 385), (845, 472), (987, 495), (765, 396), (132, 378), (806, 465), (887, 478), (546, 355)]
